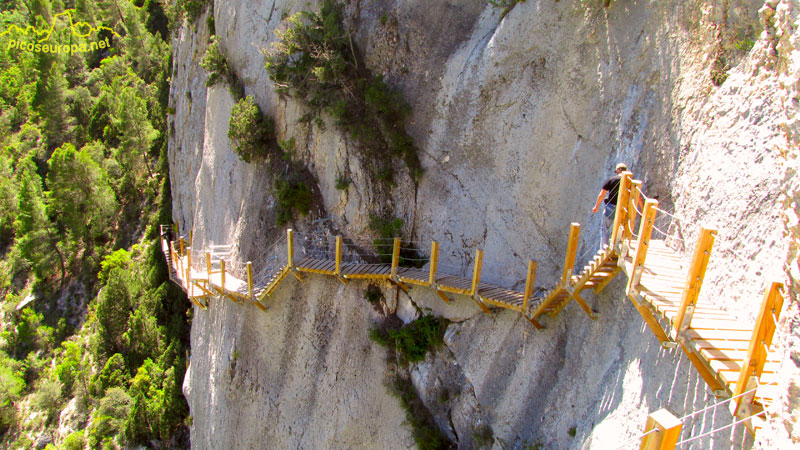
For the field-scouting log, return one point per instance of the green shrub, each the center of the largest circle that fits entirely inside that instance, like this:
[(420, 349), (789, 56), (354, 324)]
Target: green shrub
[(74, 441), (47, 398), (414, 340), (424, 430), (293, 196), (250, 130), (314, 60), (215, 63), (373, 294), (342, 183), (192, 9), (120, 259)]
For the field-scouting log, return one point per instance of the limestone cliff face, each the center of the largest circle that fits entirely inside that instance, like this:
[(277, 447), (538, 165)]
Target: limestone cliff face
[(518, 122)]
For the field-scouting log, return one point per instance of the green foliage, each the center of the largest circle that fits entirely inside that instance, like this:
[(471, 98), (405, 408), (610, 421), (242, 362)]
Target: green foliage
[(74, 441), (215, 63), (154, 411), (387, 229), (342, 183), (48, 398), (572, 431), (120, 259), (314, 60), (373, 294), (82, 173), (424, 430), (483, 436), (294, 196), (414, 340), (192, 9), (250, 131)]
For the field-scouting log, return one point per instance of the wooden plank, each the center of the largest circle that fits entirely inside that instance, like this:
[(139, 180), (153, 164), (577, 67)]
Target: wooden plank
[(702, 367)]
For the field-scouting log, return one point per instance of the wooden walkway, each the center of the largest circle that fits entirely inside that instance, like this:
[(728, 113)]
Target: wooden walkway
[(730, 354)]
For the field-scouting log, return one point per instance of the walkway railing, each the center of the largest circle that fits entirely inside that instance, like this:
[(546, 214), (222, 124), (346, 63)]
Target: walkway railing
[(730, 355)]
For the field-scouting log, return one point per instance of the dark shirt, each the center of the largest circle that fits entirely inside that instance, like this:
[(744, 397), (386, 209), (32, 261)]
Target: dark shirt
[(612, 186)]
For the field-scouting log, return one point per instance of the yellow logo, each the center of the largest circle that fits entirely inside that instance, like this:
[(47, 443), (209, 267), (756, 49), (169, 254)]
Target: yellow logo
[(40, 37)]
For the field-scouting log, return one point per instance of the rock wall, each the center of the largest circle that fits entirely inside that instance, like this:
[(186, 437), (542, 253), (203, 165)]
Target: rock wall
[(518, 122)]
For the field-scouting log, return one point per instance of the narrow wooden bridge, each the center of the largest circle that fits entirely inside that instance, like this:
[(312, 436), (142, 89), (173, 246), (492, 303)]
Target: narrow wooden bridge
[(731, 355)]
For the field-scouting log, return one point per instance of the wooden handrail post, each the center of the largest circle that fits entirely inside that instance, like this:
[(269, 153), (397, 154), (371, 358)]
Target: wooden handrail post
[(188, 267), (623, 197), (250, 280), (572, 250), (290, 248), (338, 256), (645, 230), (669, 430), (183, 246), (636, 186), (476, 272), (434, 262), (694, 280), (395, 257), (753, 364), (208, 265), (222, 274), (529, 280), (191, 236)]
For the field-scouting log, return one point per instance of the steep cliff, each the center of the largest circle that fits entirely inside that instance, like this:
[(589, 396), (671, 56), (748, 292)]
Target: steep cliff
[(518, 118)]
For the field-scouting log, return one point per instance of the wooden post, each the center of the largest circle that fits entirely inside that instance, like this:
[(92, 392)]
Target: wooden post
[(290, 248), (222, 274), (434, 262), (694, 280), (669, 430), (623, 197), (395, 257), (191, 236), (529, 280), (636, 186), (572, 250), (753, 364), (250, 280), (188, 267), (183, 246), (189, 272), (476, 272), (208, 265), (338, 256), (645, 230)]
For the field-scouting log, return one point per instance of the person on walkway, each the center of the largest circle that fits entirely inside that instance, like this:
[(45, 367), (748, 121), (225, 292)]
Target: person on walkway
[(610, 191)]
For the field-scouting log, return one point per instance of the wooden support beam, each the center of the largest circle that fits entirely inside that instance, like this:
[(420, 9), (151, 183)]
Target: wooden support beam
[(701, 364), (189, 270), (443, 296), (476, 272), (290, 248), (250, 280), (669, 431), (481, 305), (645, 230), (183, 246), (694, 280), (434, 261), (534, 322), (635, 199), (583, 305), (624, 195), (529, 280), (648, 318), (753, 364), (338, 269), (602, 285), (395, 257), (572, 250)]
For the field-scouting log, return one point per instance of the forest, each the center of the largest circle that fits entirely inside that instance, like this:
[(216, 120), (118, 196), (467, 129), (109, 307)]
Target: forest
[(93, 337)]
